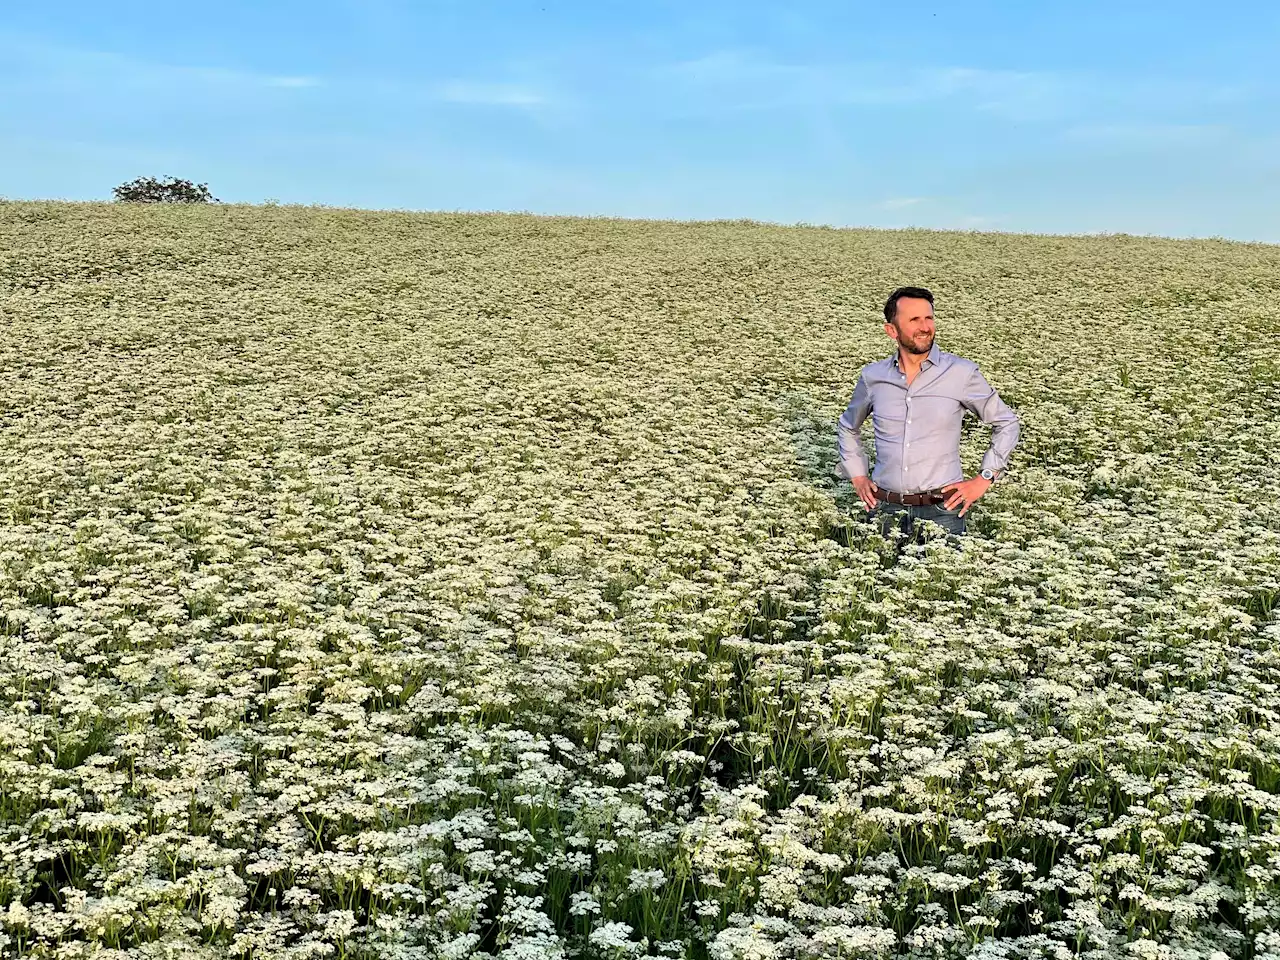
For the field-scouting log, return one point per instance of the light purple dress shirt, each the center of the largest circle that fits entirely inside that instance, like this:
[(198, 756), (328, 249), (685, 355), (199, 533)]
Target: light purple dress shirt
[(917, 428)]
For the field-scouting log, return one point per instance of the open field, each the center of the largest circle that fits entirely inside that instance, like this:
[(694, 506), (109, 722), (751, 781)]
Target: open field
[(387, 584)]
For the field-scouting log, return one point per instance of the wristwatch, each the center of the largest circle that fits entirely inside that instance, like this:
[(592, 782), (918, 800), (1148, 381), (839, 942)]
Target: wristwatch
[(989, 475)]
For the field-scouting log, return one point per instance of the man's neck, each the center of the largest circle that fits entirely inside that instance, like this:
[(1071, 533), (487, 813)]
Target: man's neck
[(910, 363)]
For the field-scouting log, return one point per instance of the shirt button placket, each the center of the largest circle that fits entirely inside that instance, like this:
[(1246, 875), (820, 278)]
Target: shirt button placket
[(906, 446)]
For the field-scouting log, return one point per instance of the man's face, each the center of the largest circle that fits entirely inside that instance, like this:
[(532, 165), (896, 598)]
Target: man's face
[(912, 327)]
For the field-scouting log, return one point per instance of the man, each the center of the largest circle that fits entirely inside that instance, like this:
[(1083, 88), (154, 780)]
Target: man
[(918, 398)]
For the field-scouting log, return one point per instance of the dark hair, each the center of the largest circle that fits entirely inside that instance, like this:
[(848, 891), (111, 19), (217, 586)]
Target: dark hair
[(891, 305)]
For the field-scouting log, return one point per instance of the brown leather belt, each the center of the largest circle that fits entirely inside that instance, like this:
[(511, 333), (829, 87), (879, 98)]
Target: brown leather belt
[(926, 499)]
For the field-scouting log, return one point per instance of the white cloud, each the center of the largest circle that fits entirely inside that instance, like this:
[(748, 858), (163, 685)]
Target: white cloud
[(217, 76), (33, 59), (897, 203), (294, 82), (42, 66), (744, 81), (1147, 134), (748, 80), (494, 94)]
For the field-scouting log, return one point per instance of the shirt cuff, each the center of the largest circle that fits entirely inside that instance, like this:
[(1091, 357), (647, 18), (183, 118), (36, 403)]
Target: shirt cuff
[(849, 471), (993, 462)]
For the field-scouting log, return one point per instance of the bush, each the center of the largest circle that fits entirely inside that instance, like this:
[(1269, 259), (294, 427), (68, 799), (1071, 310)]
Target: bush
[(172, 190)]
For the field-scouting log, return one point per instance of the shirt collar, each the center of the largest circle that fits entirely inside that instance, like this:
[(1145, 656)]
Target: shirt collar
[(934, 357)]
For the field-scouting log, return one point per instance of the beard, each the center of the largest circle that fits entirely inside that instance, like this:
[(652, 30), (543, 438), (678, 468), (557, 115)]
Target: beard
[(917, 346)]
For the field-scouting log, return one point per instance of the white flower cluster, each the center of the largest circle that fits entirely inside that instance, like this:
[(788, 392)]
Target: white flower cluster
[(458, 586)]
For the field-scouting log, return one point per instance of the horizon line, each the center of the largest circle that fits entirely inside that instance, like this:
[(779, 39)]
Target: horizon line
[(717, 221)]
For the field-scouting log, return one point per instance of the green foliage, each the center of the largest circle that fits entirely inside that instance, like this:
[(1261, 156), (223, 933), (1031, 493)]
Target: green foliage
[(169, 190)]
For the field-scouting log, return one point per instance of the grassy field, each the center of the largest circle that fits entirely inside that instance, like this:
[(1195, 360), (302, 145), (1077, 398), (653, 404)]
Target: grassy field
[(411, 585)]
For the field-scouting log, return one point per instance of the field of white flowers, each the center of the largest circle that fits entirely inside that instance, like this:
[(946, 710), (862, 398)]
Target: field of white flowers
[(407, 585)]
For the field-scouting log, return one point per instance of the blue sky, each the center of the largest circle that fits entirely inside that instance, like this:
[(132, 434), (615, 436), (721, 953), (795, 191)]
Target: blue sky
[(1079, 117)]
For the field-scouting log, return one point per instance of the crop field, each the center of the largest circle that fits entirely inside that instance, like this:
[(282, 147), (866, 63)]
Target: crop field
[(463, 586)]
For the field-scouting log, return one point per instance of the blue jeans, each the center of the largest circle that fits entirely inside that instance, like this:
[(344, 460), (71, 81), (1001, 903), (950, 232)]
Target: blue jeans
[(897, 516)]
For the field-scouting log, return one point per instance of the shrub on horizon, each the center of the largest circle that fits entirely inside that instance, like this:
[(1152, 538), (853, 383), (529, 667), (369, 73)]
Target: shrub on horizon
[(170, 190)]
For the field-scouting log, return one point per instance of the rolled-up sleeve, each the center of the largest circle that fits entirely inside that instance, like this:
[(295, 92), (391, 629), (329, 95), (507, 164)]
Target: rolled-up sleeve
[(982, 399), (853, 459)]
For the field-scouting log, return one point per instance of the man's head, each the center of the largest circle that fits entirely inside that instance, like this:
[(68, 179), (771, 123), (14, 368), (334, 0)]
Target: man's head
[(908, 319)]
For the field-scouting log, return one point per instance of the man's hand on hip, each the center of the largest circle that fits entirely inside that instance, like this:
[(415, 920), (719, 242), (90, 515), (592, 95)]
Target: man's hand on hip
[(966, 492), (866, 492)]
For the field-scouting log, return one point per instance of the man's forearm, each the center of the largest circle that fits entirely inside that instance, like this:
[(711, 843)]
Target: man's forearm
[(853, 458), (1004, 437), (983, 400)]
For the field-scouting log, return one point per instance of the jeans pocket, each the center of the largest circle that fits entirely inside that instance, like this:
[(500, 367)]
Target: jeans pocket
[(949, 518)]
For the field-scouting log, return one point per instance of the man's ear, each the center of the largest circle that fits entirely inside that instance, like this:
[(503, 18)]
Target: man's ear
[(890, 332)]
